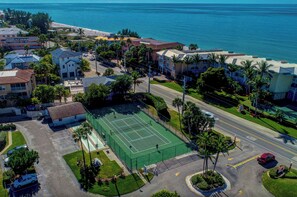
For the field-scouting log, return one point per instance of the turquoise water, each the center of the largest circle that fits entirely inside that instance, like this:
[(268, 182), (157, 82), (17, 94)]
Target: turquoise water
[(263, 30)]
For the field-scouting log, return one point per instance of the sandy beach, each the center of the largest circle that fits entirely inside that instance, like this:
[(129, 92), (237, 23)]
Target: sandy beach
[(87, 31)]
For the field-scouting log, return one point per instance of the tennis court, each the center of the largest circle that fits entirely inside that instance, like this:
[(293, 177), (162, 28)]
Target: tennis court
[(134, 136)]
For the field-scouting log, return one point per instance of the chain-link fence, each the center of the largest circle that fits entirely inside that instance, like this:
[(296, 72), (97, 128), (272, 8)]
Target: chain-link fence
[(135, 161)]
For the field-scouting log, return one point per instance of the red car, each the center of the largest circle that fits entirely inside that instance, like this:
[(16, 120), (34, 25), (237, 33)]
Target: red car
[(266, 158)]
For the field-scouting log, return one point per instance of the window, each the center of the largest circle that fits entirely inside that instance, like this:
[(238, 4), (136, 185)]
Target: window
[(18, 86), (71, 74), (64, 75), (2, 88), (60, 119), (63, 66)]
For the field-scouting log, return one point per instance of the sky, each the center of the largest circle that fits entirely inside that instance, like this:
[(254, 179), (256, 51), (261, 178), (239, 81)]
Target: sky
[(154, 1)]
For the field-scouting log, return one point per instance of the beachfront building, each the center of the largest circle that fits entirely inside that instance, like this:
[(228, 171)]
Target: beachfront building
[(173, 69), (15, 39), (283, 83), (112, 38), (68, 62), (156, 45), (20, 83), (67, 113), (20, 60)]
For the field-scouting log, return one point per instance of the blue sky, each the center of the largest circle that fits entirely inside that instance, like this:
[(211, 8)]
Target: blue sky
[(152, 1)]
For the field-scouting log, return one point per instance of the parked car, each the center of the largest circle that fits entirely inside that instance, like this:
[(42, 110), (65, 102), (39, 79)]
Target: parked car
[(17, 148), (265, 158), (25, 180)]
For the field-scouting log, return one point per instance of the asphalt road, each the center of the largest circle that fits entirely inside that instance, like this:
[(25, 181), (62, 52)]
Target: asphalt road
[(281, 145)]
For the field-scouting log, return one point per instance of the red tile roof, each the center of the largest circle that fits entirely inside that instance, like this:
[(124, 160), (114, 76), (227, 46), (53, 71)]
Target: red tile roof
[(67, 110), (21, 76)]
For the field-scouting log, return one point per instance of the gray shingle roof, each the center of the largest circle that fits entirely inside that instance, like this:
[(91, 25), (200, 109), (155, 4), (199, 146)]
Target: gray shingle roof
[(97, 80), (64, 53)]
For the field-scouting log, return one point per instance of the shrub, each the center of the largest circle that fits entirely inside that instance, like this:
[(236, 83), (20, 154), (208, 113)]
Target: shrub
[(273, 172), (203, 186), (157, 102), (2, 140), (7, 127), (196, 179)]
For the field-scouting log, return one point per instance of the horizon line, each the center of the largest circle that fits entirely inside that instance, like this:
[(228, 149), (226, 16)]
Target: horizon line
[(152, 3)]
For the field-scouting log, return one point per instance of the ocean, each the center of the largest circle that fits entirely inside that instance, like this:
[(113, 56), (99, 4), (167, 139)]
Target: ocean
[(262, 30)]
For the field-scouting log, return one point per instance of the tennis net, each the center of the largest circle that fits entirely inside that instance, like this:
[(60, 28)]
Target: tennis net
[(132, 127)]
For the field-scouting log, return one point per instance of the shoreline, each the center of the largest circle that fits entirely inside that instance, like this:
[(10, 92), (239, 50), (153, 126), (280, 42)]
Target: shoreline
[(87, 31)]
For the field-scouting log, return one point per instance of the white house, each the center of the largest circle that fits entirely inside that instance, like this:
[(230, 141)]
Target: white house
[(67, 113), (68, 62)]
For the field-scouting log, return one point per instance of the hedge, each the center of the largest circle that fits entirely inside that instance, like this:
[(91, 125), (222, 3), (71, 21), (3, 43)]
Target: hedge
[(7, 127), (157, 102)]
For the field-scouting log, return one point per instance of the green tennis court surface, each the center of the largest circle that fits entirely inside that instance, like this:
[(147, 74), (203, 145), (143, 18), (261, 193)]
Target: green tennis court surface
[(135, 137)]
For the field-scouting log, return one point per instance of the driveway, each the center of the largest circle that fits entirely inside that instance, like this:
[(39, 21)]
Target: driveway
[(55, 177)]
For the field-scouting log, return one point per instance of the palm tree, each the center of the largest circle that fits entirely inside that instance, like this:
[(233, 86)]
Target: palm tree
[(263, 68), (178, 103), (220, 146), (204, 141), (87, 128), (59, 90), (248, 72), (222, 60), (188, 60), (78, 135), (42, 39), (193, 47), (232, 68), (258, 83), (81, 32), (176, 60), (66, 93), (135, 77), (212, 59)]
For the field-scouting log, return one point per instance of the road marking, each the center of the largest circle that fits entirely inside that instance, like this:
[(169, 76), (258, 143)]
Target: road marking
[(244, 162), (260, 138), (177, 174), (230, 159), (251, 138)]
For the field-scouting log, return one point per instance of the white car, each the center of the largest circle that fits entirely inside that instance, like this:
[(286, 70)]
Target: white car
[(208, 114)]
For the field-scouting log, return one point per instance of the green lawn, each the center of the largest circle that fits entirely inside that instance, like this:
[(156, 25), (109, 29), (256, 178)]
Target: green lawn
[(107, 170), (3, 191), (123, 186), (229, 104), (281, 187), (17, 140)]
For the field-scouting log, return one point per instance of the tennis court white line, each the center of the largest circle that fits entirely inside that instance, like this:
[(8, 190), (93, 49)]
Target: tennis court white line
[(131, 128), (121, 139), (168, 141), (142, 138), (121, 119)]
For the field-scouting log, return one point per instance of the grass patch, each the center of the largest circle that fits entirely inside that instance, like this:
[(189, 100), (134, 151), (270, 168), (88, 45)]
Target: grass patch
[(229, 104), (124, 185), (280, 187), (107, 170), (17, 140), (3, 191)]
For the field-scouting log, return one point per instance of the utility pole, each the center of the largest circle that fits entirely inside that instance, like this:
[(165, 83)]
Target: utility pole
[(125, 70), (96, 61), (149, 80), (184, 93)]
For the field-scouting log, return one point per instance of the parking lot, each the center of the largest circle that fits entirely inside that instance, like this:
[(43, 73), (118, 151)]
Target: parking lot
[(54, 176)]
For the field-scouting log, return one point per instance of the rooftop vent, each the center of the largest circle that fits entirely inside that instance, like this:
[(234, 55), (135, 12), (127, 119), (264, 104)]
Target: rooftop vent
[(284, 62), (255, 56)]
